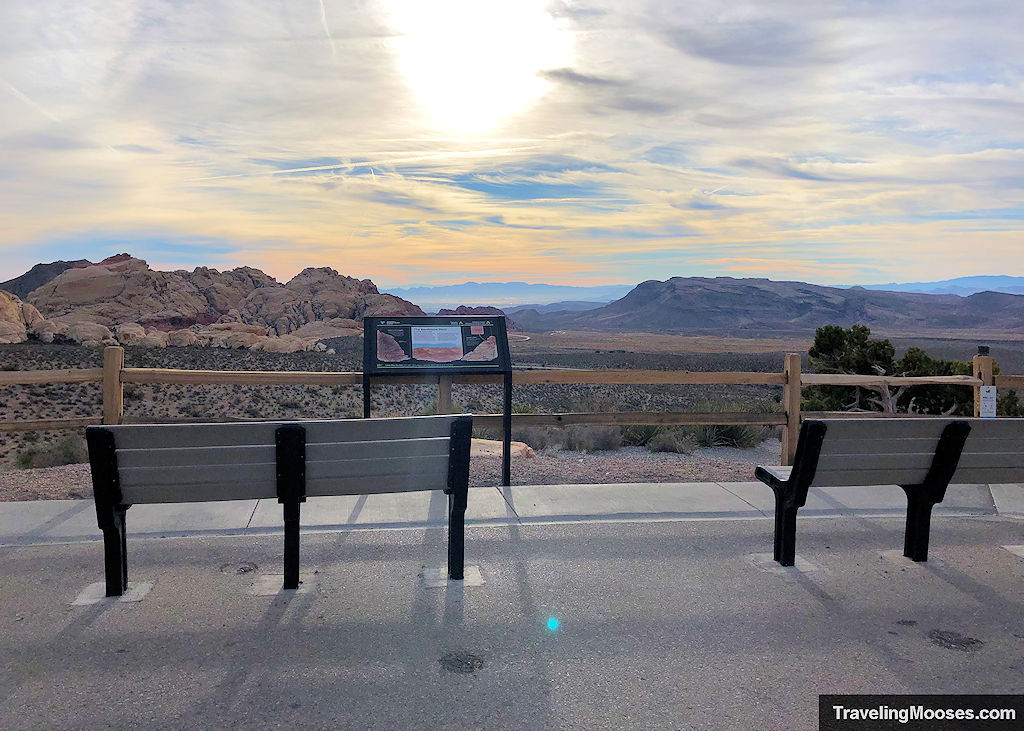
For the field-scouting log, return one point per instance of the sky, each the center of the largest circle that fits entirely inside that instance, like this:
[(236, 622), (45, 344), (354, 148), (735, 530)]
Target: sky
[(586, 143)]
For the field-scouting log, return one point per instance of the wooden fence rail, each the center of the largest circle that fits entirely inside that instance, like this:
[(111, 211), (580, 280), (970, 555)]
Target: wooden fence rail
[(113, 375)]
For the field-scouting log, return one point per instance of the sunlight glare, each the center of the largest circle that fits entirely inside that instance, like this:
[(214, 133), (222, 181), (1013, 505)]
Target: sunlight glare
[(472, 63)]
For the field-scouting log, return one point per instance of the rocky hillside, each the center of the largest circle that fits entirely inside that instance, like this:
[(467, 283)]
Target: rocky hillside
[(510, 324), (121, 299), (724, 304), (39, 275)]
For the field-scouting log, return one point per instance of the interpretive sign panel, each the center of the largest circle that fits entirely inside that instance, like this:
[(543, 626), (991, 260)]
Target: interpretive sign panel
[(407, 345)]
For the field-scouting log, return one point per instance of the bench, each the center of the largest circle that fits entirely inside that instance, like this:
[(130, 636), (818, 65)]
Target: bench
[(923, 456), (290, 461)]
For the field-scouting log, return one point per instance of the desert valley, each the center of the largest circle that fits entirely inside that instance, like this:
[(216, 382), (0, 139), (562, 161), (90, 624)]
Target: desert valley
[(62, 314)]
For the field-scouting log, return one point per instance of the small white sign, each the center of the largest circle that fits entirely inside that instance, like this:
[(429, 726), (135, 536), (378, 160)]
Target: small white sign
[(988, 402)]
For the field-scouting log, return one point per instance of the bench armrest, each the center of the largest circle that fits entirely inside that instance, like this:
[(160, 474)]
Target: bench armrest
[(772, 475)]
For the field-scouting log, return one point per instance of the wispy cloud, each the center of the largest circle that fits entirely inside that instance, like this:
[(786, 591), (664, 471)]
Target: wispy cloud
[(840, 141)]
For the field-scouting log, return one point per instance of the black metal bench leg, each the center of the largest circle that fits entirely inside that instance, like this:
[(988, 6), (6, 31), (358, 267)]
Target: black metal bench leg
[(785, 531), (456, 536), (115, 554), (291, 545), (919, 515)]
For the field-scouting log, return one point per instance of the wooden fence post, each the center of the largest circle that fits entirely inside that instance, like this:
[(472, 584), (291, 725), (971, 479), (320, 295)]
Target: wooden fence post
[(444, 394), (983, 367), (791, 405), (113, 389)]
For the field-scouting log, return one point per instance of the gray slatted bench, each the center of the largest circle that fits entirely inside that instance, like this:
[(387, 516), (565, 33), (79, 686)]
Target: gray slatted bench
[(290, 461), (923, 456)]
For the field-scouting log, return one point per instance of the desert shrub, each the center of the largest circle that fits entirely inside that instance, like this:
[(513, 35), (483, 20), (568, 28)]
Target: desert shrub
[(728, 435), (673, 439), (579, 438), (289, 404), (639, 435), (70, 449), (540, 438), (1008, 404)]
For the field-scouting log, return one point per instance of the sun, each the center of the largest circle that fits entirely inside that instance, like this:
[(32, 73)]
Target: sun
[(473, 63)]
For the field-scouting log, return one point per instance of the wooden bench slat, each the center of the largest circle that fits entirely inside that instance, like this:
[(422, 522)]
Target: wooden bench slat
[(241, 455), (832, 447), (369, 469), (190, 493), (847, 478), (139, 479), (1002, 428), (987, 460), (885, 428), (385, 484), (904, 462), (984, 445), (855, 462), (144, 436)]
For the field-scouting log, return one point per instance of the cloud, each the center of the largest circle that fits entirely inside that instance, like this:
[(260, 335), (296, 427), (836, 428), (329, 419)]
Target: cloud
[(663, 138)]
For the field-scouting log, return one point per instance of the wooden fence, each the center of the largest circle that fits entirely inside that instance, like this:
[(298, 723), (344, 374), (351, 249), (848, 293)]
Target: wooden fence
[(113, 375)]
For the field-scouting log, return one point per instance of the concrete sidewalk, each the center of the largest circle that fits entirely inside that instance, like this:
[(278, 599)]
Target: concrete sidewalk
[(75, 520)]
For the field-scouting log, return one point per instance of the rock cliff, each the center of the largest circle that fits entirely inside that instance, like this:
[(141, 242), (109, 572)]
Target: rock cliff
[(121, 299)]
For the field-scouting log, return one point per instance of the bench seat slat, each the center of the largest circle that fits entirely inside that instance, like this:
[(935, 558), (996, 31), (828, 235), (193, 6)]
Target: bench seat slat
[(141, 478), (241, 455), (190, 493), (843, 478), (213, 491), (427, 467), (883, 461), (886, 428), (145, 436), (983, 445), (832, 447), (840, 462)]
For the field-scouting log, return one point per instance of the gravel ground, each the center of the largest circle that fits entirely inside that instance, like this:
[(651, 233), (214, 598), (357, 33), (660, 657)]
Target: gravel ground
[(629, 464)]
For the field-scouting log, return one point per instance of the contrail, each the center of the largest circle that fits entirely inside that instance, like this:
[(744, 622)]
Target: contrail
[(327, 30), (379, 163), (25, 98), (40, 108)]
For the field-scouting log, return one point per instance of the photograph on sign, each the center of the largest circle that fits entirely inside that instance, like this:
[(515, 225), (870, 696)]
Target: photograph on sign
[(436, 343)]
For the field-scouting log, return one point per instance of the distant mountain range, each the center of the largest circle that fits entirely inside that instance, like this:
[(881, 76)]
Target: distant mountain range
[(122, 298), (727, 305), (962, 286), (505, 295)]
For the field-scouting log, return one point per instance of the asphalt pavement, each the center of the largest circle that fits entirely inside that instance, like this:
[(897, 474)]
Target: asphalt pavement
[(643, 606)]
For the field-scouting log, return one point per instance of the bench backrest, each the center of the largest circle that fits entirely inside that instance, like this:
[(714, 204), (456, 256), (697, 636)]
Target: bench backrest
[(167, 463), (895, 451)]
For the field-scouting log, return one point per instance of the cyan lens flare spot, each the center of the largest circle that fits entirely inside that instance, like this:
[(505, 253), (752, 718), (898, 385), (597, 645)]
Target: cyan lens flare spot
[(552, 624)]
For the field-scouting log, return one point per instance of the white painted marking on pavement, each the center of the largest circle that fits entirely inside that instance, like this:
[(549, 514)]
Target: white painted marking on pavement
[(273, 584), (1016, 550), (96, 592), (435, 578), (766, 562)]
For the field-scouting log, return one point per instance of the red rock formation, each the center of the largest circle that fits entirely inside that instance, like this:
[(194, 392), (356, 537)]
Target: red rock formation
[(485, 351), (388, 349)]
